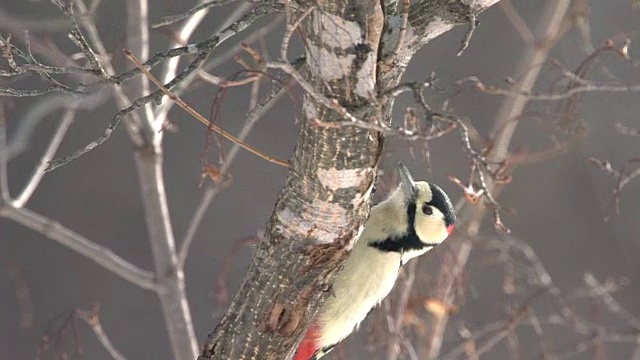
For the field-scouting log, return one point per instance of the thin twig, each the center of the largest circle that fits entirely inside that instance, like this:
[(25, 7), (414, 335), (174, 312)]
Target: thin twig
[(611, 303), (38, 172), (194, 224), (122, 98), (402, 32), (256, 113), (21, 136), (78, 39), (454, 266), (570, 92), (171, 68), (211, 191), (503, 130), (397, 321), (203, 47), (184, 33), (291, 27), (473, 22), (479, 162), (625, 130), (168, 20), (200, 118), (543, 278), (627, 179), (138, 42), (623, 179), (92, 318), (201, 50), (7, 91), (5, 196), (517, 22), (506, 328)]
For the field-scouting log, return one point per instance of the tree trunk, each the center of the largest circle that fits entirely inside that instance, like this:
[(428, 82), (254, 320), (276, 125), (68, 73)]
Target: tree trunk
[(352, 57)]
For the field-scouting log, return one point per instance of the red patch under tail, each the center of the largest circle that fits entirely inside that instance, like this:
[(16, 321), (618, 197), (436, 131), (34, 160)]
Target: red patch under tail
[(308, 346)]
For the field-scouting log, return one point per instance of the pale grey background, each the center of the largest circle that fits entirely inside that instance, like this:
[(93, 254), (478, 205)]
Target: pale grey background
[(559, 205)]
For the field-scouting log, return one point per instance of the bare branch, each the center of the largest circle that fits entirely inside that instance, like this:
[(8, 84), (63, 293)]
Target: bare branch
[(74, 241), (149, 165), (78, 39), (397, 321), (31, 64), (503, 130), (201, 49), (5, 196), (138, 41), (204, 121), (54, 164), (502, 333), (625, 130), (473, 22), (623, 179), (517, 21), (21, 136), (255, 114), (171, 288), (589, 335), (480, 165), (205, 201), (570, 92), (402, 32), (613, 306), (92, 318), (7, 91), (168, 20), (182, 37), (38, 172), (444, 297), (290, 28)]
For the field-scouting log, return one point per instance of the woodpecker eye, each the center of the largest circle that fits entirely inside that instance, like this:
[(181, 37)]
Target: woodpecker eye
[(427, 210)]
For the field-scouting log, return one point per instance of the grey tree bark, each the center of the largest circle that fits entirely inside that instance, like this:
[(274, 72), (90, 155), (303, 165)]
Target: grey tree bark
[(356, 51)]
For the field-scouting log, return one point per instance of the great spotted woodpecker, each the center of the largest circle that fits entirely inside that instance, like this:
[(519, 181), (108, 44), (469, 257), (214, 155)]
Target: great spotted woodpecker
[(416, 217)]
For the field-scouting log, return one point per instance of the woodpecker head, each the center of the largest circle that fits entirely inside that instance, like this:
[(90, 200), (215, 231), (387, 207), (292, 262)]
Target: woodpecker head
[(428, 206), (415, 218)]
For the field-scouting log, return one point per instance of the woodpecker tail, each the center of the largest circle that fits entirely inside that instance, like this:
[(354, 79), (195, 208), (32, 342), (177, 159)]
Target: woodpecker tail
[(308, 346)]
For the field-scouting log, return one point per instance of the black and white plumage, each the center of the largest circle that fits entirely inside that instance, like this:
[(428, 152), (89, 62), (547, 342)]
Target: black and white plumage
[(416, 217)]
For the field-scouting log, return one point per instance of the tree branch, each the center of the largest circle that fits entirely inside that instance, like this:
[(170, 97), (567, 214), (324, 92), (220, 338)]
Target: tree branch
[(74, 241), (202, 51), (38, 173)]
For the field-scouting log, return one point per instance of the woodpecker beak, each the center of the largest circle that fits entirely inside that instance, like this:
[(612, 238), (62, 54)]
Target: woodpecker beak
[(407, 183)]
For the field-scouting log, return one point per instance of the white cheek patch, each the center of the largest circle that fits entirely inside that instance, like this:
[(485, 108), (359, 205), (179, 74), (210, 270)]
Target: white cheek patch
[(430, 230)]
